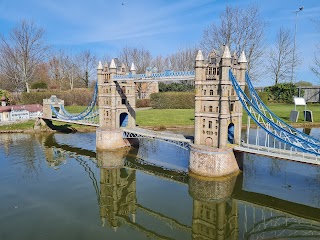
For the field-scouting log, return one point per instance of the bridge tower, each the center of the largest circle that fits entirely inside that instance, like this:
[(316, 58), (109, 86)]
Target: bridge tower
[(116, 101), (218, 114)]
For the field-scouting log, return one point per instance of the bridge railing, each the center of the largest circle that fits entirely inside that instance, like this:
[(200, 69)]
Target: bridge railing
[(156, 76), (273, 131)]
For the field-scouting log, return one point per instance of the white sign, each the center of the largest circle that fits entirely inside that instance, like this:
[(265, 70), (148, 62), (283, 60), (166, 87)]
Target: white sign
[(299, 101)]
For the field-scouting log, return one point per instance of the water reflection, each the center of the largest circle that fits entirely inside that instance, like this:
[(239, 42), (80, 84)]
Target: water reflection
[(117, 189), (134, 198), (215, 214)]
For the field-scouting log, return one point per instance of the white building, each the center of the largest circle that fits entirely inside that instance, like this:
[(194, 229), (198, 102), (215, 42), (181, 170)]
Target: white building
[(20, 112)]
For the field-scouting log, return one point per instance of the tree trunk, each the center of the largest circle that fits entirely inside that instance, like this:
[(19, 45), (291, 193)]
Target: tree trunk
[(27, 86)]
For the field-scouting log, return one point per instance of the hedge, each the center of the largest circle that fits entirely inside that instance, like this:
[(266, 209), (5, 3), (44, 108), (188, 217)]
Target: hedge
[(172, 100), (282, 93), (80, 97), (141, 103), (175, 87)]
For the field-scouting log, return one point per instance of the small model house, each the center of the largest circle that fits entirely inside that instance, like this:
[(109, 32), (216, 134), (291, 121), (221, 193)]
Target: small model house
[(19, 112)]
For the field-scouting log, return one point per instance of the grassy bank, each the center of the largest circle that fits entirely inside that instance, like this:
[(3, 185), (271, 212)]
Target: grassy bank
[(164, 118), (20, 126)]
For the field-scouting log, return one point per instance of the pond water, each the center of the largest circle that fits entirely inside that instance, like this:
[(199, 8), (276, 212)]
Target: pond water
[(57, 187)]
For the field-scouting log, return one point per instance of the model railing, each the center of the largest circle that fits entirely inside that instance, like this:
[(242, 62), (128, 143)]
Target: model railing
[(262, 107), (164, 76), (89, 115), (276, 136)]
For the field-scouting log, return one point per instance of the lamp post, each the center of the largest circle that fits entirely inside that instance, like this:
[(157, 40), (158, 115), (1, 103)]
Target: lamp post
[(294, 41)]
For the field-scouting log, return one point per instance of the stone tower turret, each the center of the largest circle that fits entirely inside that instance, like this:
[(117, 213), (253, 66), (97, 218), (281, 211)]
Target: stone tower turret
[(116, 105), (218, 114)]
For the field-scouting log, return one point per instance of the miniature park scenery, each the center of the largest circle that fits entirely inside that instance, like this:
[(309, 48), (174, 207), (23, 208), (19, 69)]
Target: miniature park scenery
[(212, 133)]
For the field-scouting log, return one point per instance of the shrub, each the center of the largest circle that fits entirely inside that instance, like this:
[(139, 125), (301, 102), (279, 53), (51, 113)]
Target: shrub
[(39, 85), (175, 87), (282, 93), (172, 100), (140, 103)]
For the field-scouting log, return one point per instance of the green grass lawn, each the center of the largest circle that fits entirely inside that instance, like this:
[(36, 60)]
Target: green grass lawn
[(165, 117), (283, 111), (184, 117), (75, 109)]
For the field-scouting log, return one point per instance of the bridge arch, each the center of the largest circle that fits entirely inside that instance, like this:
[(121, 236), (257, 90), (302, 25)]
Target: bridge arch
[(123, 119), (209, 141), (231, 133)]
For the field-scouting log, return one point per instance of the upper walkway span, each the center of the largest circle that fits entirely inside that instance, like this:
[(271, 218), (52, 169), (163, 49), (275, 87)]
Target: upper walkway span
[(157, 77)]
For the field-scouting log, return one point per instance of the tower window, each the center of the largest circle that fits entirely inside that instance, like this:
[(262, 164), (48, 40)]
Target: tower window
[(204, 92), (123, 101), (210, 109), (231, 107), (210, 124), (211, 92), (204, 108)]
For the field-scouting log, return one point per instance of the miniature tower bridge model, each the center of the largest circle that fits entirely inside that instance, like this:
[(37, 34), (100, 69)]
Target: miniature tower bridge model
[(219, 102), (218, 114)]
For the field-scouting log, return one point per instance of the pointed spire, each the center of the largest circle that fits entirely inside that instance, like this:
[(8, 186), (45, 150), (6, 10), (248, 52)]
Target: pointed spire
[(199, 56), (242, 58), (99, 66), (113, 64), (235, 56), (133, 67), (226, 53)]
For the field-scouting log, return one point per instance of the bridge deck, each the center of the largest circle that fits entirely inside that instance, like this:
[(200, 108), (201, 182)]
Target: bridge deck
[(136, 132), (279, 153), (72, 122)]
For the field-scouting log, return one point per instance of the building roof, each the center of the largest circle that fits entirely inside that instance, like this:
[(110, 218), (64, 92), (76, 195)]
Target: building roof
[(30, 108)]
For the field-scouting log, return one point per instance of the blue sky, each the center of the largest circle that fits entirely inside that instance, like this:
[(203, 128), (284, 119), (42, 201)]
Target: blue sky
[(161, 26)]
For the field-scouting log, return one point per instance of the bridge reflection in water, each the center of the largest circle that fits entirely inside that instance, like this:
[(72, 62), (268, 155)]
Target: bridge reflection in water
[(227, 208)]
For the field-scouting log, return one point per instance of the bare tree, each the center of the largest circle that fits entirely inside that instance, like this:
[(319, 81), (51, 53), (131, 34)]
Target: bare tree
[(316, 65), (183, 59), (139, 56), (242, 29), (315, 68), (21, 52), (142, 59), (86, 62), (72, 73), (280, 56), (58, 68), (159, 62)]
